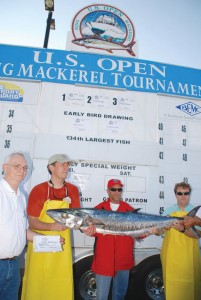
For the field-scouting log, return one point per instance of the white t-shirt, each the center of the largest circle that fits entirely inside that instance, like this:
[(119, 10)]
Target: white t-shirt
[(13, 221), (114, 206)]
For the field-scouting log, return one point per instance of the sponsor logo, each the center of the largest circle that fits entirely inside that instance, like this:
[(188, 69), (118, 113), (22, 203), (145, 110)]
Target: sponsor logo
[(11, 92), (190, 108), (103, 27)]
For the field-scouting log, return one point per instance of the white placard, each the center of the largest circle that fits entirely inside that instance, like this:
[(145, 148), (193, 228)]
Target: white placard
[(46, 243)]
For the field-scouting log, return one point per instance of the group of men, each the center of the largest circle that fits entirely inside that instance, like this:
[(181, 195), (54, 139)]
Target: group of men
[(49, 276)]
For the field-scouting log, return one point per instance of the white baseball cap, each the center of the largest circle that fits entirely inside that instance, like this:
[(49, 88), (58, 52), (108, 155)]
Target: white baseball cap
[(59, 158)]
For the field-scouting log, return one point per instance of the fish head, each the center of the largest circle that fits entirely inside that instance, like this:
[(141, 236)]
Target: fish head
[(66, 217)]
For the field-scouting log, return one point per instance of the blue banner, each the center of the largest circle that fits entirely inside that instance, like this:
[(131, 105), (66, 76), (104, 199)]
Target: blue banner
[(70, 67)]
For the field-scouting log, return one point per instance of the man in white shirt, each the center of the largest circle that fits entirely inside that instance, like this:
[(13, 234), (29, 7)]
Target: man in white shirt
[(13, 224)]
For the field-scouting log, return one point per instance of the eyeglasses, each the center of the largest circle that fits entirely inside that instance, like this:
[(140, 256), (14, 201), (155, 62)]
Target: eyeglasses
[(19, 167), (114, 190), (181, 194)]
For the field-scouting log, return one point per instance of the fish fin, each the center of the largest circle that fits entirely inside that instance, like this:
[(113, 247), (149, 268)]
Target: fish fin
[(135, 210), (129, 48), (78, 224)]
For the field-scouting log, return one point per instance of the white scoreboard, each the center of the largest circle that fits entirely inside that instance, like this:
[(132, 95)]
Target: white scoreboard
[(147, 140)]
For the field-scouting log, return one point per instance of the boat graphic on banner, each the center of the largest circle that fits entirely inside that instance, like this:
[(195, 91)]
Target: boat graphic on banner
[(103, 27)]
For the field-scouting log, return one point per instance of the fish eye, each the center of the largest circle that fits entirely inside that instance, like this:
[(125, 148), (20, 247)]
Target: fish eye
[(64, 215)]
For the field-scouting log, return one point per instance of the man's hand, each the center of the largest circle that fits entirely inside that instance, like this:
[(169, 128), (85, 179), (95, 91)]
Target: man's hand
[(62, 240), (57, 227), (191, 221), (90, 230), (178, 225)]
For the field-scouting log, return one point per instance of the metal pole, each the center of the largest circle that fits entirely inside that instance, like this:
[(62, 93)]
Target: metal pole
[(47, 29)]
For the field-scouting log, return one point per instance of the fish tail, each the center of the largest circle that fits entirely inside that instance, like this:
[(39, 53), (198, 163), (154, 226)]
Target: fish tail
[(192, 213), (129, 48)]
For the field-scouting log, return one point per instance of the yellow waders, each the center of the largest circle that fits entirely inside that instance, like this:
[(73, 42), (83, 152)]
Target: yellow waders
[(181, 263), (49, 276)]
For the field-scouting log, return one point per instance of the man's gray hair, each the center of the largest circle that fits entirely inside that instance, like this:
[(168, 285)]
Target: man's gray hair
[(8, 158)]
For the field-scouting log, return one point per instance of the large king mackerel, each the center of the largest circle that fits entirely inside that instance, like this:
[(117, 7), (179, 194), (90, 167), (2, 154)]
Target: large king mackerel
[(133, 223)]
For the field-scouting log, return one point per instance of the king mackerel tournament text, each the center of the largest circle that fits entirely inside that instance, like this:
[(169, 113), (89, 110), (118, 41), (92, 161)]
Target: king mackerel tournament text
[(80, 68)]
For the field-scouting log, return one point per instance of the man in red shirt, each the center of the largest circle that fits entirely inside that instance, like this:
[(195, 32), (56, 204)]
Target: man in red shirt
[(113, 255), (49, 276)]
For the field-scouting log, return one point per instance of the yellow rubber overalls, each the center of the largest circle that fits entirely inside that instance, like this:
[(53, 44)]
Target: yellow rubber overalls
[(181, 263), (49, 276)]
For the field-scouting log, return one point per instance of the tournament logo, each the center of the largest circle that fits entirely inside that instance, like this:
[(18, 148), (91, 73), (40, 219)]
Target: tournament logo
[(103, 27), (190, 108), (11, 92)]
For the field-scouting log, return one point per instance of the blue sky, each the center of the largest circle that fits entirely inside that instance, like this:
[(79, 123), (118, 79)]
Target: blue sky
[(166, 31)]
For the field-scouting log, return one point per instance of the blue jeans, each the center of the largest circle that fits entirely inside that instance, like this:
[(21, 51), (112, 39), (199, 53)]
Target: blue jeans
[(119, 285), (9, 279)]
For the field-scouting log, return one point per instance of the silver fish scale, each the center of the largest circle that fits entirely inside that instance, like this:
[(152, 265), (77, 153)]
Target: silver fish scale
[(123, 223)]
